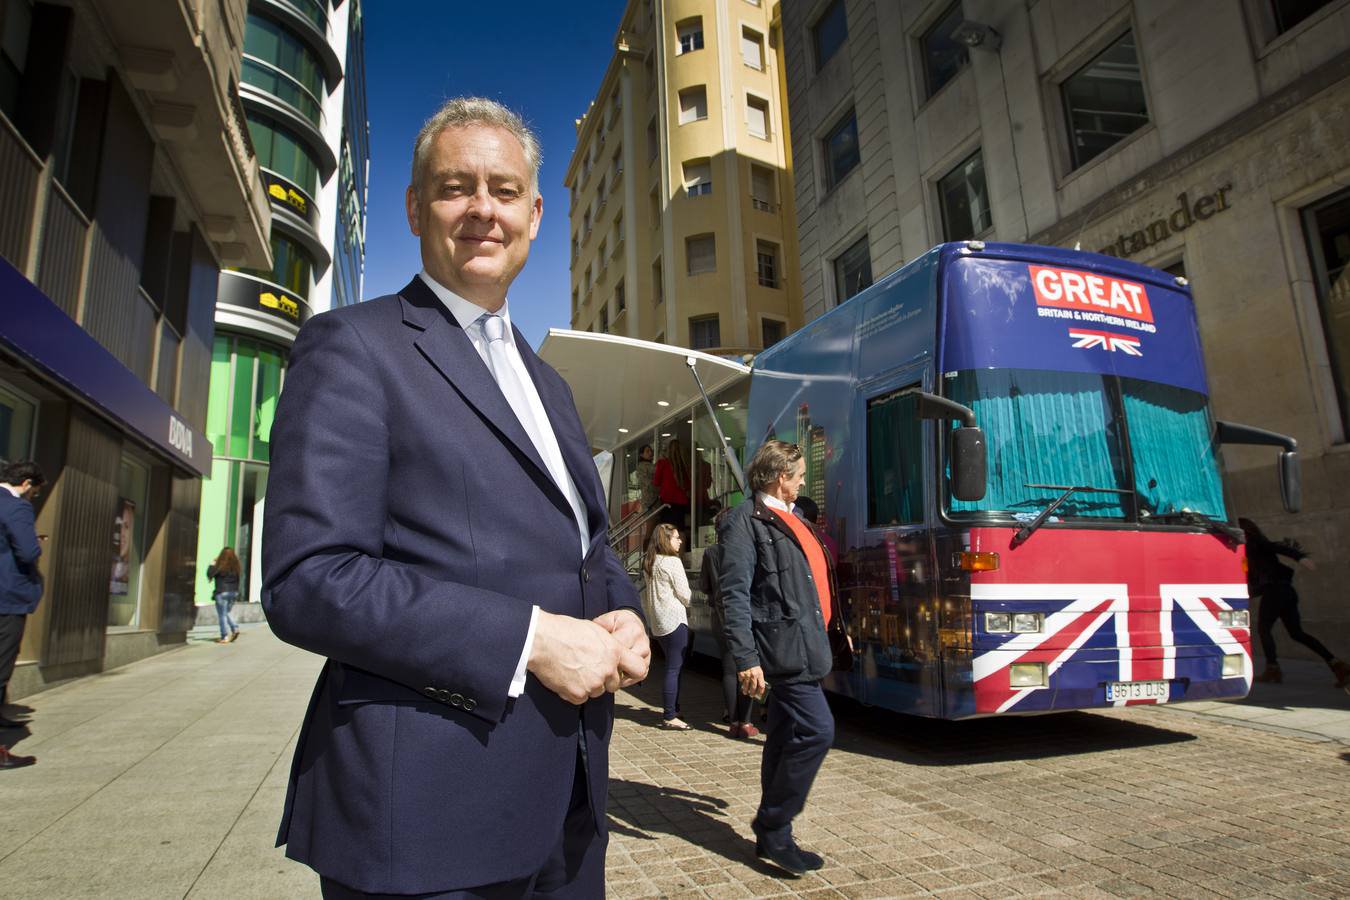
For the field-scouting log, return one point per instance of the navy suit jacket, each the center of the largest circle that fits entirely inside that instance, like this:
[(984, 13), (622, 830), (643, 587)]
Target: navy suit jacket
[(20, 582), (410, 526)]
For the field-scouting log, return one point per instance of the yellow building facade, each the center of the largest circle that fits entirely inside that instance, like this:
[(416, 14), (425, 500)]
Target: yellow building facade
[(682, 224)]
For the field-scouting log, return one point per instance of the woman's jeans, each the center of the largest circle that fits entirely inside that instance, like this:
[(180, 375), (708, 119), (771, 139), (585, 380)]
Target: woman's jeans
[(223, 601), (676, 648)]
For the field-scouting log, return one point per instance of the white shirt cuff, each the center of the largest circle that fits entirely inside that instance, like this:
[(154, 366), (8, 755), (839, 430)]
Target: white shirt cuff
[(518, 682)]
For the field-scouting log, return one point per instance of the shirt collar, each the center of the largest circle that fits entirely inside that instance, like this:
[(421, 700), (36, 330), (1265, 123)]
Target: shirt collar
[(775, 503), (464, 311), (13, 490)]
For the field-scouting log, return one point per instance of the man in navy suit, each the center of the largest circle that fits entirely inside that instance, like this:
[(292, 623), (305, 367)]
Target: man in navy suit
[(20, 581), (436, 528)]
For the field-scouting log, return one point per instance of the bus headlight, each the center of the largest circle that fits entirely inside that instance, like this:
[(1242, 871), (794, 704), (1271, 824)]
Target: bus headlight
[(1234, 618), (1024, 675), (1232, 665), (1027, 623), (998, 623)]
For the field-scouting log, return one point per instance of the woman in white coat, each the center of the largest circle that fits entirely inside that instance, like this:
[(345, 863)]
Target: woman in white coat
[(667, 597)]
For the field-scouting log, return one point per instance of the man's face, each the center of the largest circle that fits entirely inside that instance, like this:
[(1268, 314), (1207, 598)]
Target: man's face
[(474, 212), (790, 482)]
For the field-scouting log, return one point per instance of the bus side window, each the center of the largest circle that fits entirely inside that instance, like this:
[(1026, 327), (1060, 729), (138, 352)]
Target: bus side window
[(894, 460)]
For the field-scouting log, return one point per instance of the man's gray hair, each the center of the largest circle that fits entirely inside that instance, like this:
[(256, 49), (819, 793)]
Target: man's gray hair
[(773, 459), (463, 111)]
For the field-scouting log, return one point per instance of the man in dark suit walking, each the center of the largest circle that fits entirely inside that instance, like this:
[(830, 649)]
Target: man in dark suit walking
[(777, 602), (436, 528), (20, 581)]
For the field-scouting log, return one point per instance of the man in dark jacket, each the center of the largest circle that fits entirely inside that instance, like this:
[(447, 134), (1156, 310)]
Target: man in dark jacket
[(775, 583), (20, 581)]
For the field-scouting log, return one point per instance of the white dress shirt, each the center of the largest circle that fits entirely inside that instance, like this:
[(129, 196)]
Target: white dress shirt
[(467, 315), (775, 503)]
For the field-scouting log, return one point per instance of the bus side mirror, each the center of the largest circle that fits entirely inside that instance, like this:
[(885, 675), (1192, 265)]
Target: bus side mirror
[(969, 466), (1291, 479)]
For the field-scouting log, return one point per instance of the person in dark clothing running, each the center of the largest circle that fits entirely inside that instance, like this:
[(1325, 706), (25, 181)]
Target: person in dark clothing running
[(1273, 582)]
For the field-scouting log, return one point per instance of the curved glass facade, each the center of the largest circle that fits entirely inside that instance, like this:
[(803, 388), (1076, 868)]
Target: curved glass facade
[(280, 150), (349, 254), (292, 266), (279, 63), (246, 379)]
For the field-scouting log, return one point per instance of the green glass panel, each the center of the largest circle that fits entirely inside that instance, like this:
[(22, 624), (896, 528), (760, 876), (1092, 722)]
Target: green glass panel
[(218, 406), (269, 388), (213, 527), (232, 506), (283, 153), (241, 425)]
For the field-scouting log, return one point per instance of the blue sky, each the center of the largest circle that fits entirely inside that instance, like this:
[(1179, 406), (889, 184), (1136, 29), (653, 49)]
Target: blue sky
[(543, 59)]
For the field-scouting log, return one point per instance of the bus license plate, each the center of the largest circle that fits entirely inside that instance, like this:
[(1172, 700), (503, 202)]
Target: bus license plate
[(1136, 690)]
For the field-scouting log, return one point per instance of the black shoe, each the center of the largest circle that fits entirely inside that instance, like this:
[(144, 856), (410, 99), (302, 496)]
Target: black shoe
[(10, 723), (784, 856), (812, 861)]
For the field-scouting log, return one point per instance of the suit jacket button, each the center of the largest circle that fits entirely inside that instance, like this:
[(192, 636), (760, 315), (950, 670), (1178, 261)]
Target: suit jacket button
[(443, 695), (586, 575), (456, 699), (430, 692), (469, 704)]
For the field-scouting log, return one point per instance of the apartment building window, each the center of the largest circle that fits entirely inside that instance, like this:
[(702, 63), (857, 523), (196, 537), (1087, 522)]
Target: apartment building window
[(757, 116), (964, 199), (1104, 101), (943, 56), (618, 231), (586, 222), (576, 298), (655, 199), (576, 247), (762, 191), (604, 320), (752, 48), (704, 332), (829, 33), (841, 149), (700, 254), (616, 163), (1327, 225), (693, 104), (658, 284), (600, 195), (771, 332), (766, 263), (588, 281), (653, 142), (852, 270), (698, 178), (600, 256), (1288, 13), (690, 33), (620, 302)]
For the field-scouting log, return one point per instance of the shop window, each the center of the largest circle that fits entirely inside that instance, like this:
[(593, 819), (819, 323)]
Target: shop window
[(829, 33), (964, 200), (704, 332), (690, 35), (894, 460), (841, 149), (128, 544), (693, 104), (943, 56), (1327, 225), (766, 263), (701, 254), (1104, 101), (18, 414), (852, 270)]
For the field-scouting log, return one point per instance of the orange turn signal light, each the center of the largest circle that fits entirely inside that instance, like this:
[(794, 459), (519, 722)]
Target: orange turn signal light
[(976, 562)]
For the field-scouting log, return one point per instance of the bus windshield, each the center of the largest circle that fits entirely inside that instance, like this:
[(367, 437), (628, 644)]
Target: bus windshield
[(1149, 442)]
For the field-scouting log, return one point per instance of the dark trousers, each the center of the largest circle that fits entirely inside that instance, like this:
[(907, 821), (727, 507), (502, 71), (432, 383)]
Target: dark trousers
[(575, 870), (738, 705), (1280, 601), (11, 635), (676, 648), (801, 730)]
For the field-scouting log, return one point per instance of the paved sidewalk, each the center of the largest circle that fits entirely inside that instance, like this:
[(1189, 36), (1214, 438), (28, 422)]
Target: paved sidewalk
[(165, 779)]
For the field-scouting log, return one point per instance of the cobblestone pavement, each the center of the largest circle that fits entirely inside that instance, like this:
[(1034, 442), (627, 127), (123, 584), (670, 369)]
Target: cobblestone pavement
[(165, 779)]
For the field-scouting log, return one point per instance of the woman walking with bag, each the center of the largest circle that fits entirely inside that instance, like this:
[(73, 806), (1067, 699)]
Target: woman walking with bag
[(667, 597), (225, 572)]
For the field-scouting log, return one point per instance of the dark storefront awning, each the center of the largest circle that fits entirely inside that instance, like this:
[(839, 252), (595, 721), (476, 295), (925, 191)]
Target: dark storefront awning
[(46, 340)]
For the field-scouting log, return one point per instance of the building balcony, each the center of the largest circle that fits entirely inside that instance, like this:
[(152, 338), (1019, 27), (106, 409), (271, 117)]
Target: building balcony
[(308, 20), (260, 307), (293, 119)]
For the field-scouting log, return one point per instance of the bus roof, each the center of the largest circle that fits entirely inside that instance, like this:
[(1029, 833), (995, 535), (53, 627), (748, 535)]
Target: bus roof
[(624, 383)]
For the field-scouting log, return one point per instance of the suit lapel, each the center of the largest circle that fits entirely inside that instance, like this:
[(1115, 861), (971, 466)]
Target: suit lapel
[(445, 345), (571, 438)]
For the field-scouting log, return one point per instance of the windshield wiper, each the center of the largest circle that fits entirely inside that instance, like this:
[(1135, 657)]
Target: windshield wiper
[(1193, 517), (1029, 529)]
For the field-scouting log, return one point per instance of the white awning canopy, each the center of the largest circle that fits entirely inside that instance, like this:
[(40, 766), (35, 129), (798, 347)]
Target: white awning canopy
[(622, 382)]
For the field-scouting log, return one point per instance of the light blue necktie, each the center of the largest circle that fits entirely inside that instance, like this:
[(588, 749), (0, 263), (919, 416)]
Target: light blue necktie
[(508, 380)]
